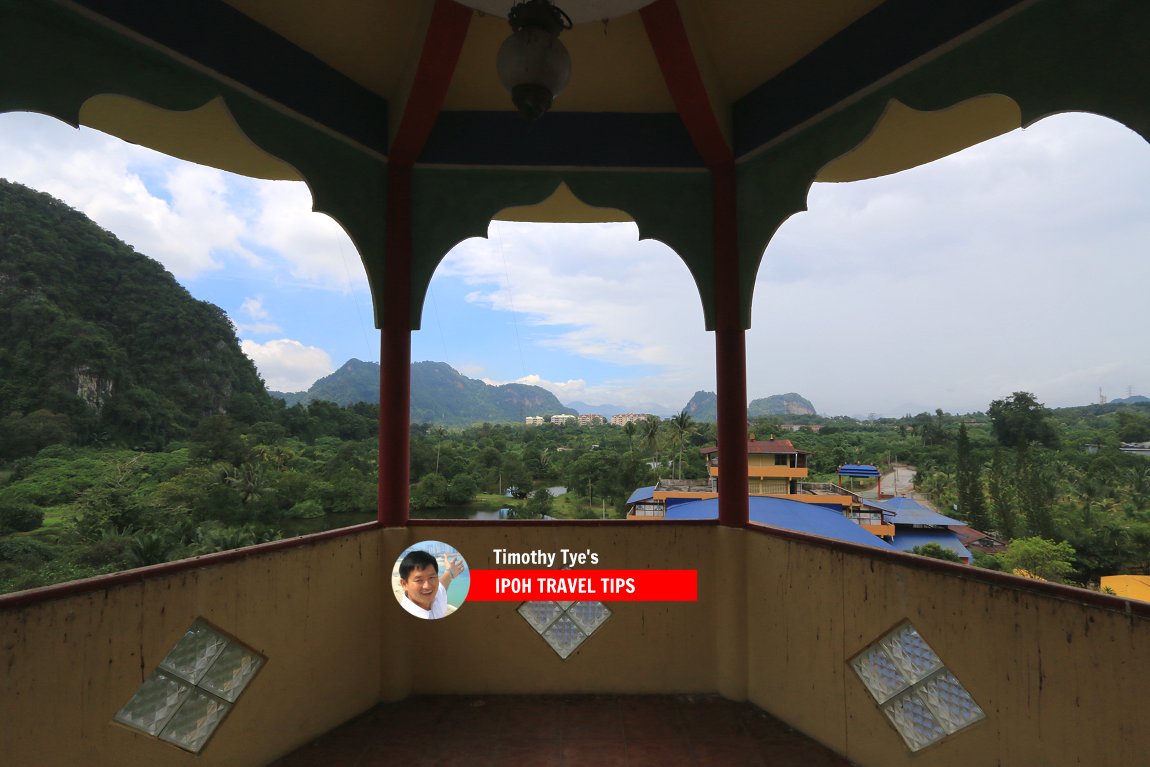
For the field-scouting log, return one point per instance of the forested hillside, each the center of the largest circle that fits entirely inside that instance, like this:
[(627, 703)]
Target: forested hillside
[(99, 343), (439, 395)]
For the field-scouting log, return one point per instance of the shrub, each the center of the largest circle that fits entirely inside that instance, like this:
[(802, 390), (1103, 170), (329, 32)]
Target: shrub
[(20, 517), (309, 509), (24, 552), (935, 551)]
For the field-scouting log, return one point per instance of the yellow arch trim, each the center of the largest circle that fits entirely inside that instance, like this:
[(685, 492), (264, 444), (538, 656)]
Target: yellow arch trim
[(905, 138), (207, 135), (562, 207)]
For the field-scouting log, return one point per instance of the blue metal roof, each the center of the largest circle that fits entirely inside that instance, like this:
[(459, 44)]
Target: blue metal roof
[(789, 515), (908, 511), (642, 494), (907, 538), (858, 470)]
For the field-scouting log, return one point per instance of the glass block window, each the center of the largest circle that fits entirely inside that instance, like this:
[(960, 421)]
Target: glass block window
[(564, 625), (922, 699), (193, 689)]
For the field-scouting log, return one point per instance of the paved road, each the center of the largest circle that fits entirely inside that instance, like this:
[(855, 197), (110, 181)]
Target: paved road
[(899, 481)]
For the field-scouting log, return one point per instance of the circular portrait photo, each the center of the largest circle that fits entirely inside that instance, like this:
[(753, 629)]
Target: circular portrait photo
[(430, 579)]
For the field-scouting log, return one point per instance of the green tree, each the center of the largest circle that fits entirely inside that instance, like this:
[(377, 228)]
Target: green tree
[(539, 505), (248, 480), (22, 435), (629, 429), (1040, 557), (1021, 420), (1002, 498), (460, 490), (217, 438), (680, 428), (429, 492), (971, 501), (934, 551), (650, 434), (1036, 492)]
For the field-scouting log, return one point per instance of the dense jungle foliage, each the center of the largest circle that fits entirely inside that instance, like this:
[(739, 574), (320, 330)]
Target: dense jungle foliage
[(98, 343), (71, 510)]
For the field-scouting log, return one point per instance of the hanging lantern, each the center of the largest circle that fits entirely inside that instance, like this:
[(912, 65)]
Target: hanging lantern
[(533, 64)]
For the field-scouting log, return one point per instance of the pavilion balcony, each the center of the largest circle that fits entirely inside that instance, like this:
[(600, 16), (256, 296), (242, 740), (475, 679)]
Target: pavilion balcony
[(1058, 673)]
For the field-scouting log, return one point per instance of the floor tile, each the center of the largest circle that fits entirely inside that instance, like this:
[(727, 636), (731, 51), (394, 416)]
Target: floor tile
[(564, 731)]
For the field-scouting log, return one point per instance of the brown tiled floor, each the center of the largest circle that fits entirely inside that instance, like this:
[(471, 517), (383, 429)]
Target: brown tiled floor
[(563, 731)]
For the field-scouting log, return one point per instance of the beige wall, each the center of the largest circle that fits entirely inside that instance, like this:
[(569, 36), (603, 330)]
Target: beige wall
[(1061, 682), (69, 664), (488, 647)]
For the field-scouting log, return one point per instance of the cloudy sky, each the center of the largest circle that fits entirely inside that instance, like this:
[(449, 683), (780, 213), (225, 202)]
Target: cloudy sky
[(1020, 264)]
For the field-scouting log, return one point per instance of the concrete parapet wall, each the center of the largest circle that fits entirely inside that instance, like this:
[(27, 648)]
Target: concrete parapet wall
[(71, 661), (1060, 673)]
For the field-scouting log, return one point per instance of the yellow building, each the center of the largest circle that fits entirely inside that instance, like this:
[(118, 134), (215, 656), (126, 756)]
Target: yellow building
[(1127, 586), (774, 466)]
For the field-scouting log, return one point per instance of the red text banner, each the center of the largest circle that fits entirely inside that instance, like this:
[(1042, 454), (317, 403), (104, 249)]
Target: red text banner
[(584, 585)]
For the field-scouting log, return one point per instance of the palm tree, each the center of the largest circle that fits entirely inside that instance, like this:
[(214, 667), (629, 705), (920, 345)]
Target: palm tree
[(629, 429), (681, 426), (248, 479), (439, 433), (650, 430)]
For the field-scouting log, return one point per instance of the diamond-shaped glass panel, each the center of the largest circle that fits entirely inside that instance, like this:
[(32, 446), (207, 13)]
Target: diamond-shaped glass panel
[(879, 673), (195, 686), (910, 652), (914, 721), (194, 653), (196, 720), (154, 703), (540, 614), (588, 615), (921, 697), (564, 605), (564, 636), (233, 669), (950, 702)]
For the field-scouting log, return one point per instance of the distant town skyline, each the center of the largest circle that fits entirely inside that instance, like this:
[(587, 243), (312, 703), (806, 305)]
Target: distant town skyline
[(1019, 264)]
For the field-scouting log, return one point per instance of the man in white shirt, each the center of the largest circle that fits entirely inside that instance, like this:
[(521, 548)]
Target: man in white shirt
[(424, 589)]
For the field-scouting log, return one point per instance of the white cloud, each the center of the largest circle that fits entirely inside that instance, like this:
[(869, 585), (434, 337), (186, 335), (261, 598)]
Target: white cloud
[(190, 218), (1016, 264), (594, 291), (315, 248), (184, 226), (571, 389), (254, 308), (258, 328), (288, 365)]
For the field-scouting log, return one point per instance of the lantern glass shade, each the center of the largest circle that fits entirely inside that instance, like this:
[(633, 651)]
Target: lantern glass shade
[(533, 61)]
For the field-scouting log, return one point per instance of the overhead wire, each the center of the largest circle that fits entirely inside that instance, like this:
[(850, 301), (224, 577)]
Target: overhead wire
[(510, 298)]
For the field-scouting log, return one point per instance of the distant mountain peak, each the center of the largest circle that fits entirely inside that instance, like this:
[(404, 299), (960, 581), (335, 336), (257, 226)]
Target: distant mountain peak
[(439, 394), (704, 406)]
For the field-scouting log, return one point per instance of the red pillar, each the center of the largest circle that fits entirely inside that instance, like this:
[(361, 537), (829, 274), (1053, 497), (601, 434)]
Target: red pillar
[(730, 352), (395, 354)]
